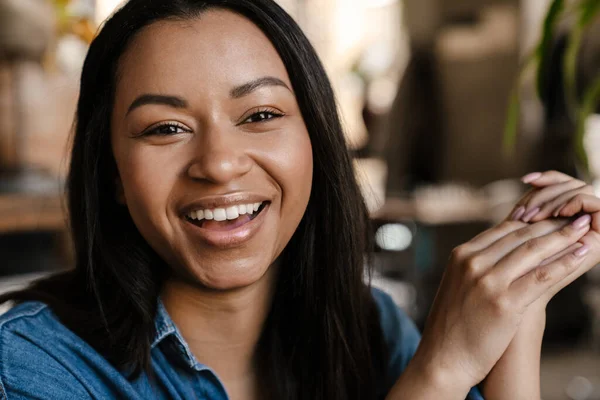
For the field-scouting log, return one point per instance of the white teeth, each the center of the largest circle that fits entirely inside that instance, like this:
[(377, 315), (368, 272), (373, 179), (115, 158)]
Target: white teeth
[(232, 212), (222, 214)]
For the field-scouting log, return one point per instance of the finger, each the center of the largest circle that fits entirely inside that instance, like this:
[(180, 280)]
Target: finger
[(592, 241), (563, 253), (533, 252), (487, 238), (528, 202), (519, 209), (542, 179), (553, 206), (540, 197), (586, 203), (545, 281), (583, 203), (494, 244)]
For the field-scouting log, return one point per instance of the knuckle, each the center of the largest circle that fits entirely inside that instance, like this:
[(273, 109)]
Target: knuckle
[(487, 286), (524, 234), (511, 225), (502, 305), (543, 274), (533, 245), (459, 253), (474, 263), (472, 267), (566, 232), (570, 263)]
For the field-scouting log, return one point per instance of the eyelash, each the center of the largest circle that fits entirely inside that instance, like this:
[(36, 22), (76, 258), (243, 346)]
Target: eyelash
[(271, 112), (154, 131)]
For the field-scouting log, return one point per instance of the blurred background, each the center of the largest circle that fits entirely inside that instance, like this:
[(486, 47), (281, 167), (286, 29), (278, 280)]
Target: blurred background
[(424, 87)]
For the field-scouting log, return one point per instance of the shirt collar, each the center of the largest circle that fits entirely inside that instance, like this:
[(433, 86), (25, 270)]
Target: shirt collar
[(166, 328)]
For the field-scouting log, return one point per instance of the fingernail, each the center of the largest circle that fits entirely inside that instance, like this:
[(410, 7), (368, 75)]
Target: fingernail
[(582, 251), (557, 212), (531, 177), (532, 213), (518, 213), (582, 222)]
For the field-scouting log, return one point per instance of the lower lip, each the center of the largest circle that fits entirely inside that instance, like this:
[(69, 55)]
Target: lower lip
[(232, 238)]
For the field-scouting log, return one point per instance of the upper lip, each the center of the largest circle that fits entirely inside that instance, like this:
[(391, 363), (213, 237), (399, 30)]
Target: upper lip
[(223, 201)]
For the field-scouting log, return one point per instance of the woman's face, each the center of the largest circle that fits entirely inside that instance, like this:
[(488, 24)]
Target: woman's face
[(214, 159)]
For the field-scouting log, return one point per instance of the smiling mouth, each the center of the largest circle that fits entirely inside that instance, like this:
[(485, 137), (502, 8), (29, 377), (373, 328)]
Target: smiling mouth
[(225, 219)]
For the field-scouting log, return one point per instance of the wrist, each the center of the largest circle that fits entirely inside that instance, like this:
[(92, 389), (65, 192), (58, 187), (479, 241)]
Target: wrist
[(532, 325), (426, 378), (447, 377)]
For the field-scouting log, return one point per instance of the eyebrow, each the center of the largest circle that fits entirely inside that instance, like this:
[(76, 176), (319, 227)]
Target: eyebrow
[(145, 99), (178, 102), (247, 88)]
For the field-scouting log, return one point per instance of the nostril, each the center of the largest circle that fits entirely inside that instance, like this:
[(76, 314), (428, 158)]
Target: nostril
[(219, 167)]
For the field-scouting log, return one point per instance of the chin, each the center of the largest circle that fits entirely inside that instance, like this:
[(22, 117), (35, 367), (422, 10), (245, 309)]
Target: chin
[(231, 277)]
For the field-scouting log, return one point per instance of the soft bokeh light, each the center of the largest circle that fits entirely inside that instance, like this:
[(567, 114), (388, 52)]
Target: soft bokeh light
[(394, 237), (104, 8)]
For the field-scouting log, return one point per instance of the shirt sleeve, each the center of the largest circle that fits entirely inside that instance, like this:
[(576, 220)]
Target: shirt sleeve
[(402, 338), (27, 371)]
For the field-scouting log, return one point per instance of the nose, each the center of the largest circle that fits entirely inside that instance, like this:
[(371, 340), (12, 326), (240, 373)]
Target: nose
[(219, 158)]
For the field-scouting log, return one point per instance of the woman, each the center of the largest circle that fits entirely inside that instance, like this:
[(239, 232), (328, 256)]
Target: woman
[(220, 238)]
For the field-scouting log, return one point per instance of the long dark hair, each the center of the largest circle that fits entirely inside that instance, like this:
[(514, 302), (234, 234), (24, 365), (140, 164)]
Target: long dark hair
[(322, 339)]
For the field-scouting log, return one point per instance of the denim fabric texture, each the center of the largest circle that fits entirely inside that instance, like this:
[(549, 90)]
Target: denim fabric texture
[(41, 359)]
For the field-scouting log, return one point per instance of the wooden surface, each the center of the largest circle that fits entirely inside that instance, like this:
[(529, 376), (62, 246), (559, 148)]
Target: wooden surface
[(31, 212)]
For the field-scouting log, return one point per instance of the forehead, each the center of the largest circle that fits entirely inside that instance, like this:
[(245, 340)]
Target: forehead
[(215, 51)]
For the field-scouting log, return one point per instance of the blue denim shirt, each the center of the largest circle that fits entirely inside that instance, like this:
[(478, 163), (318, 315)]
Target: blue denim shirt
[(41, 359)]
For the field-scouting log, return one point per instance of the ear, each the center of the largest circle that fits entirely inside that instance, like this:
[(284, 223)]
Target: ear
[(119, 191)]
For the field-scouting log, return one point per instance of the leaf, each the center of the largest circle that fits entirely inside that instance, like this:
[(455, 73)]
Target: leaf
[(589, 10), (545, 47), (586, 10), (570, 67), (511, 127), (512, 122), (591, 101)]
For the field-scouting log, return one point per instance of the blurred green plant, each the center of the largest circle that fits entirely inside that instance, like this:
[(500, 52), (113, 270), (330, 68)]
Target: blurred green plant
[(580, 14)]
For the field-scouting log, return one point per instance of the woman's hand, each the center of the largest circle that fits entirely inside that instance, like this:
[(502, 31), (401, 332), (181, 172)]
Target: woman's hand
[(490, 284), (554, 194), (517, 374), (558, 195)]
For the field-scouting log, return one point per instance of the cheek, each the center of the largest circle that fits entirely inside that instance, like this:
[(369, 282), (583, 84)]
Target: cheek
[(291, 166), (147, 175)]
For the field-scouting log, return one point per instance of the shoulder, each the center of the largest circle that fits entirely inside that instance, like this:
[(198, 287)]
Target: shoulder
[(22, 312), (400, 333), (34, 346)]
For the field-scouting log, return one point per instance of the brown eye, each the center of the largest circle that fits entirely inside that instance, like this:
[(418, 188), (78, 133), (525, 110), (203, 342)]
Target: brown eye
[(166, 130), (262, 116)]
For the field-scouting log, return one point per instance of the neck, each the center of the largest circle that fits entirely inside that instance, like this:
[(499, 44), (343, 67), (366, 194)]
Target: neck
[(222, 328)]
